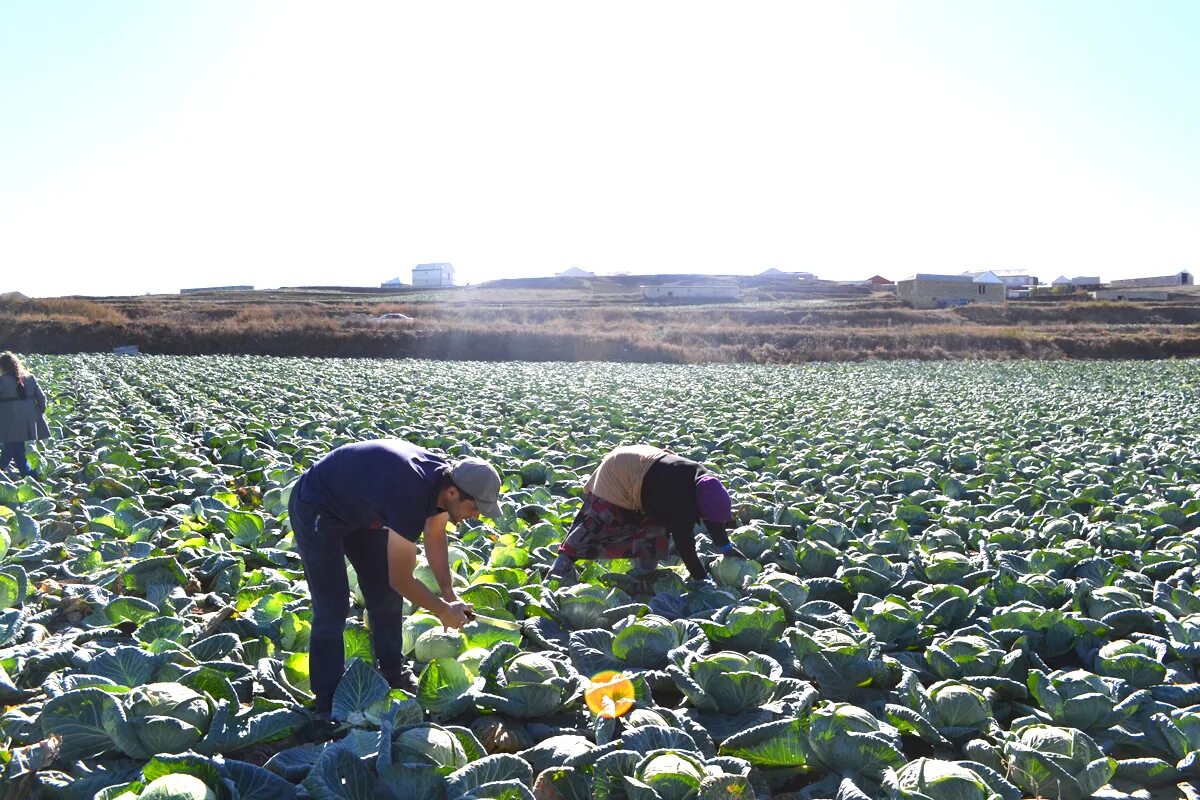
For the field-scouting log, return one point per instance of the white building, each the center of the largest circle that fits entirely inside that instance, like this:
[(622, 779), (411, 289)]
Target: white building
[(202, 289), (692, 291), (1012, 278), (574, 272), (931, 290), (428, 275), (773, 272), (1131, 294), (1178, 279), (1087, 283)]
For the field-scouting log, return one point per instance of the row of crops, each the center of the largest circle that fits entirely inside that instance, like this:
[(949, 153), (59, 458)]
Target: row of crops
[(966, 582)]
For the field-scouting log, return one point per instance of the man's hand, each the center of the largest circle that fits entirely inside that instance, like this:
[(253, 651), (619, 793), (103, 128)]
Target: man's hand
[(456, 614)]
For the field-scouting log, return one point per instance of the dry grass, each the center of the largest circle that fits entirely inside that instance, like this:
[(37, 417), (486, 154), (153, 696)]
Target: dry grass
[(61, 308), (535, 326)]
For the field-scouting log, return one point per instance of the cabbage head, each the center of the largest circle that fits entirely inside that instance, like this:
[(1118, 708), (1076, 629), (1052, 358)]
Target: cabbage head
[(1079, 699), (1105, 600), (750, 626), (959, 708), (414, 625), (842, 663), (817, 559), (845, 738), (439, 642), (790, 588), (734, 572), (727, 682), (1137, 663), (584, 605), (1057, 762), (531, 668), (164, 718), (934, 779), (177, 786), (645, 642), (948, 566), (526, 685), (834, 719), (472, 658), (965, 656), (431, 745), (671, 774)]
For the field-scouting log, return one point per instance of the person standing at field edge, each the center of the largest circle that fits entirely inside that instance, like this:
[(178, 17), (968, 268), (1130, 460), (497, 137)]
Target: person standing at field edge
[(371, 502), (636, 498), (22, 409)]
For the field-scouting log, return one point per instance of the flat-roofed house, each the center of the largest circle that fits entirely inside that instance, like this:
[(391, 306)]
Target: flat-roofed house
[(427, 275), (689, 291), (930, 290), (1178, 279)]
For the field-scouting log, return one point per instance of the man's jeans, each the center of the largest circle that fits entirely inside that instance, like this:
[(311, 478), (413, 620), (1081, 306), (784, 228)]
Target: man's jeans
[(324, 543), (14, 453)]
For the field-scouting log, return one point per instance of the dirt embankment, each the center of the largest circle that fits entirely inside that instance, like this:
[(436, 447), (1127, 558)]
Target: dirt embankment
[(540, 330), (792, 345)]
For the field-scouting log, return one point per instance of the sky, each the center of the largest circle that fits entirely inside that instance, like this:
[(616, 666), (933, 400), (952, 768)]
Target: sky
[(147, 147)]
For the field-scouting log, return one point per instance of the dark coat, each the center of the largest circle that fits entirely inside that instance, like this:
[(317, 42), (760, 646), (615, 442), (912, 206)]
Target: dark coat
[(22, 420)]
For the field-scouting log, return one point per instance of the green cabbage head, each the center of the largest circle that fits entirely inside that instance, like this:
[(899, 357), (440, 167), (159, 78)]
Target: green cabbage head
[(844, 737), (439, 643), (958, 707), (165, 718), (531, 668), (177, 786), (934, 779), (791, 588), (1057, 762), (430, 744), (734, 572), (727, 682), (672, 774), (645, 642), (583, 605)]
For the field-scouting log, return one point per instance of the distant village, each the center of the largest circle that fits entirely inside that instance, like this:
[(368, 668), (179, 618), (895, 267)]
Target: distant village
[(922, 290)]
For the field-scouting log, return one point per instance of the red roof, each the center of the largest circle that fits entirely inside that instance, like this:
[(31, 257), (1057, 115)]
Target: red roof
[(878, 279)]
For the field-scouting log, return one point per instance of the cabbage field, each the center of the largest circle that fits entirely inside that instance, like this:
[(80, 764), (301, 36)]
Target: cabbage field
[(967, 581)]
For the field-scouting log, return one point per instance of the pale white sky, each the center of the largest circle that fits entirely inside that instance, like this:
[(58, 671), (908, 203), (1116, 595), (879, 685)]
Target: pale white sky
[(151, 147)]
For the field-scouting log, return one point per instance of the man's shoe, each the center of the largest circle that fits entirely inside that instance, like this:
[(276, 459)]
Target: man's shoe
[(400, 678)]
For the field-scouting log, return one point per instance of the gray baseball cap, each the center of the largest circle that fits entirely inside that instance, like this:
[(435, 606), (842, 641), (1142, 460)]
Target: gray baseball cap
[(479, 479)]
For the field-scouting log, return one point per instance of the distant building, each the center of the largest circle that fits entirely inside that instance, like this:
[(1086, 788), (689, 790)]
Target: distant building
[(929, 290), (778, 273), (1085, 283), (392, 283), (692, 291), (878, 280), (1012, 277), (217, 289), (1178, 279), (1131, 294), (430, 275), (574, 272)]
